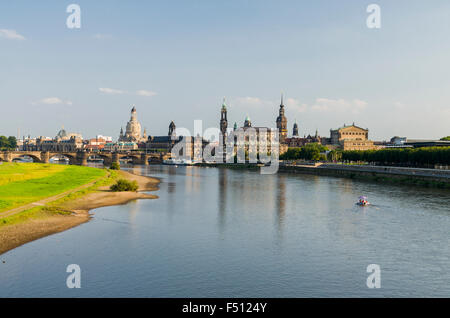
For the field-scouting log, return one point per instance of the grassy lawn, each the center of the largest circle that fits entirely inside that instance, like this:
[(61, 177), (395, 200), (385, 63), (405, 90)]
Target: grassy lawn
[(22, 183)]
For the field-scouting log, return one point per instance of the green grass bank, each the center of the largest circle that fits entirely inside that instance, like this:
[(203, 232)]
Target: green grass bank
[(23, 183)]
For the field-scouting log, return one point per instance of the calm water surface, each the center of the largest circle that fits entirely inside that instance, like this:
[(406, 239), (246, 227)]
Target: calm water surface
[(231, 233)]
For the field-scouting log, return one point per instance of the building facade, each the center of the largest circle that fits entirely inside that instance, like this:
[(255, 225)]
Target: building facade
[(351, 138)]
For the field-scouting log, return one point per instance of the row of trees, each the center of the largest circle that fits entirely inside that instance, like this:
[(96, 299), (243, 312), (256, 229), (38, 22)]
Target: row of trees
[(446, 138), (8, 142), (427, 156), (402, 156), (311, 151)]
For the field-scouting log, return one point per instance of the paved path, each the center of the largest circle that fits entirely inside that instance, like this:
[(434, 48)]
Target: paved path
[(43, 202)]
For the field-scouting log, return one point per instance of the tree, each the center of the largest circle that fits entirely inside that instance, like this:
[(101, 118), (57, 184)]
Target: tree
[(8, 142), (12, 142), (310, 151), (425, 156), (334, 155), (445, 138)]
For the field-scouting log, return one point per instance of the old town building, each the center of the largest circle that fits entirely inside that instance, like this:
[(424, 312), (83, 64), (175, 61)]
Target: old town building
[(351, 138)]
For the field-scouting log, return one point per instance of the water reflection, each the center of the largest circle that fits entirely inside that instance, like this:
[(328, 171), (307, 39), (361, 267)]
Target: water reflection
[(280, 206), (222, 199), (235, 233)]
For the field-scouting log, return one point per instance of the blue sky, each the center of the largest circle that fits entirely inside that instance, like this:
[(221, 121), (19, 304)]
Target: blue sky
[(176, 60)]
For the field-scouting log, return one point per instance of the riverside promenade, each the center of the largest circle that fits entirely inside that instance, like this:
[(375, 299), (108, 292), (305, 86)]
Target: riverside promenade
[(438, 175)]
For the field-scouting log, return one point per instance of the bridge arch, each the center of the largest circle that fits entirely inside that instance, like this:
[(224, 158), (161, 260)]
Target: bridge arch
[(70, 158), (136, 158), (22, 155), (107, 158)]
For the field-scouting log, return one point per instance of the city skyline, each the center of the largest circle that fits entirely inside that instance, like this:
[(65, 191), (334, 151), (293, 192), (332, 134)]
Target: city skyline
[(177, 64)]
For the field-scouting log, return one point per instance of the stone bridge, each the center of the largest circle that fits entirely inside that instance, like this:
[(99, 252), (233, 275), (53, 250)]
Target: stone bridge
[(82, 157)]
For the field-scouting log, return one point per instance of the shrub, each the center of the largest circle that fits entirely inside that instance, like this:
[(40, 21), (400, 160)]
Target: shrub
[(124, 185), (115, 166)]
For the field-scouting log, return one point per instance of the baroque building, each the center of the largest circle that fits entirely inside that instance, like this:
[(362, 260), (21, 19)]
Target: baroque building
[(133, 130), (351, 138)]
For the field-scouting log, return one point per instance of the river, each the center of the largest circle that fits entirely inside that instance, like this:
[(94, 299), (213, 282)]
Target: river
[(235, 233)]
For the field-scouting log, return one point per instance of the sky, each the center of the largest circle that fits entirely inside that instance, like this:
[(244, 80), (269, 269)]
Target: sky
[(177, 60)]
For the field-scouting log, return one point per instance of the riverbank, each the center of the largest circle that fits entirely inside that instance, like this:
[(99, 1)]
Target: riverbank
[(70, 210), (434, 178), (396, 175)]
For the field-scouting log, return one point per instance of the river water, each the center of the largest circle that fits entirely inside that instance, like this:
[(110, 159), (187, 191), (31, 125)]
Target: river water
[(236, 233)]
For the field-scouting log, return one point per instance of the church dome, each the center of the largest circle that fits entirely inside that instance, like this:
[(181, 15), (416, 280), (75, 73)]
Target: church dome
[(247, 122)]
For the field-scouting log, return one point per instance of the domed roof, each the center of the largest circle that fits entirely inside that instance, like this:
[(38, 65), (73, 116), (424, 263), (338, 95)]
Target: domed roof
[(224, 106)]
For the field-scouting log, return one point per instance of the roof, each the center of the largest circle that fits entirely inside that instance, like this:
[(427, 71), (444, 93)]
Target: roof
[(164, 139), (160, 139), (350, 126)]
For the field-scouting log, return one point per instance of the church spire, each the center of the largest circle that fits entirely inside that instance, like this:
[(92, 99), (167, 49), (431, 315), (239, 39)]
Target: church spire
[(282, 122)]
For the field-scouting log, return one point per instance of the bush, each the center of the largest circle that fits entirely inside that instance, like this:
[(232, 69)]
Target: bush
[(115, 166), (124, 185)]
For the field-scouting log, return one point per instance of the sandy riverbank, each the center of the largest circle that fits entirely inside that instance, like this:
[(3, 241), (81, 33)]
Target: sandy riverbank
[(12, 236)]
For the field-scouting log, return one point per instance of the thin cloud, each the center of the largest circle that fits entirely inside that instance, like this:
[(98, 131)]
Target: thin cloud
[(112, 91), (295, 105), (52, 101), (144, 92), (11, 34)]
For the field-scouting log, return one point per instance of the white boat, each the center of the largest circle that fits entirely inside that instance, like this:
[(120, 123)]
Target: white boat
[(178, 162), (60, 159)]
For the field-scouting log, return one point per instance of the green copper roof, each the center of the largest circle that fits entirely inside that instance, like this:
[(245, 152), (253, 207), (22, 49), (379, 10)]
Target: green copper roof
[(224, 106)]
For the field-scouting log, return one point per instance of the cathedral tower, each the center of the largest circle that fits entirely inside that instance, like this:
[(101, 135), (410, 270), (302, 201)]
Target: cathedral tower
[(223, 119), (295, 130), (282, 123), (223, 127)]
